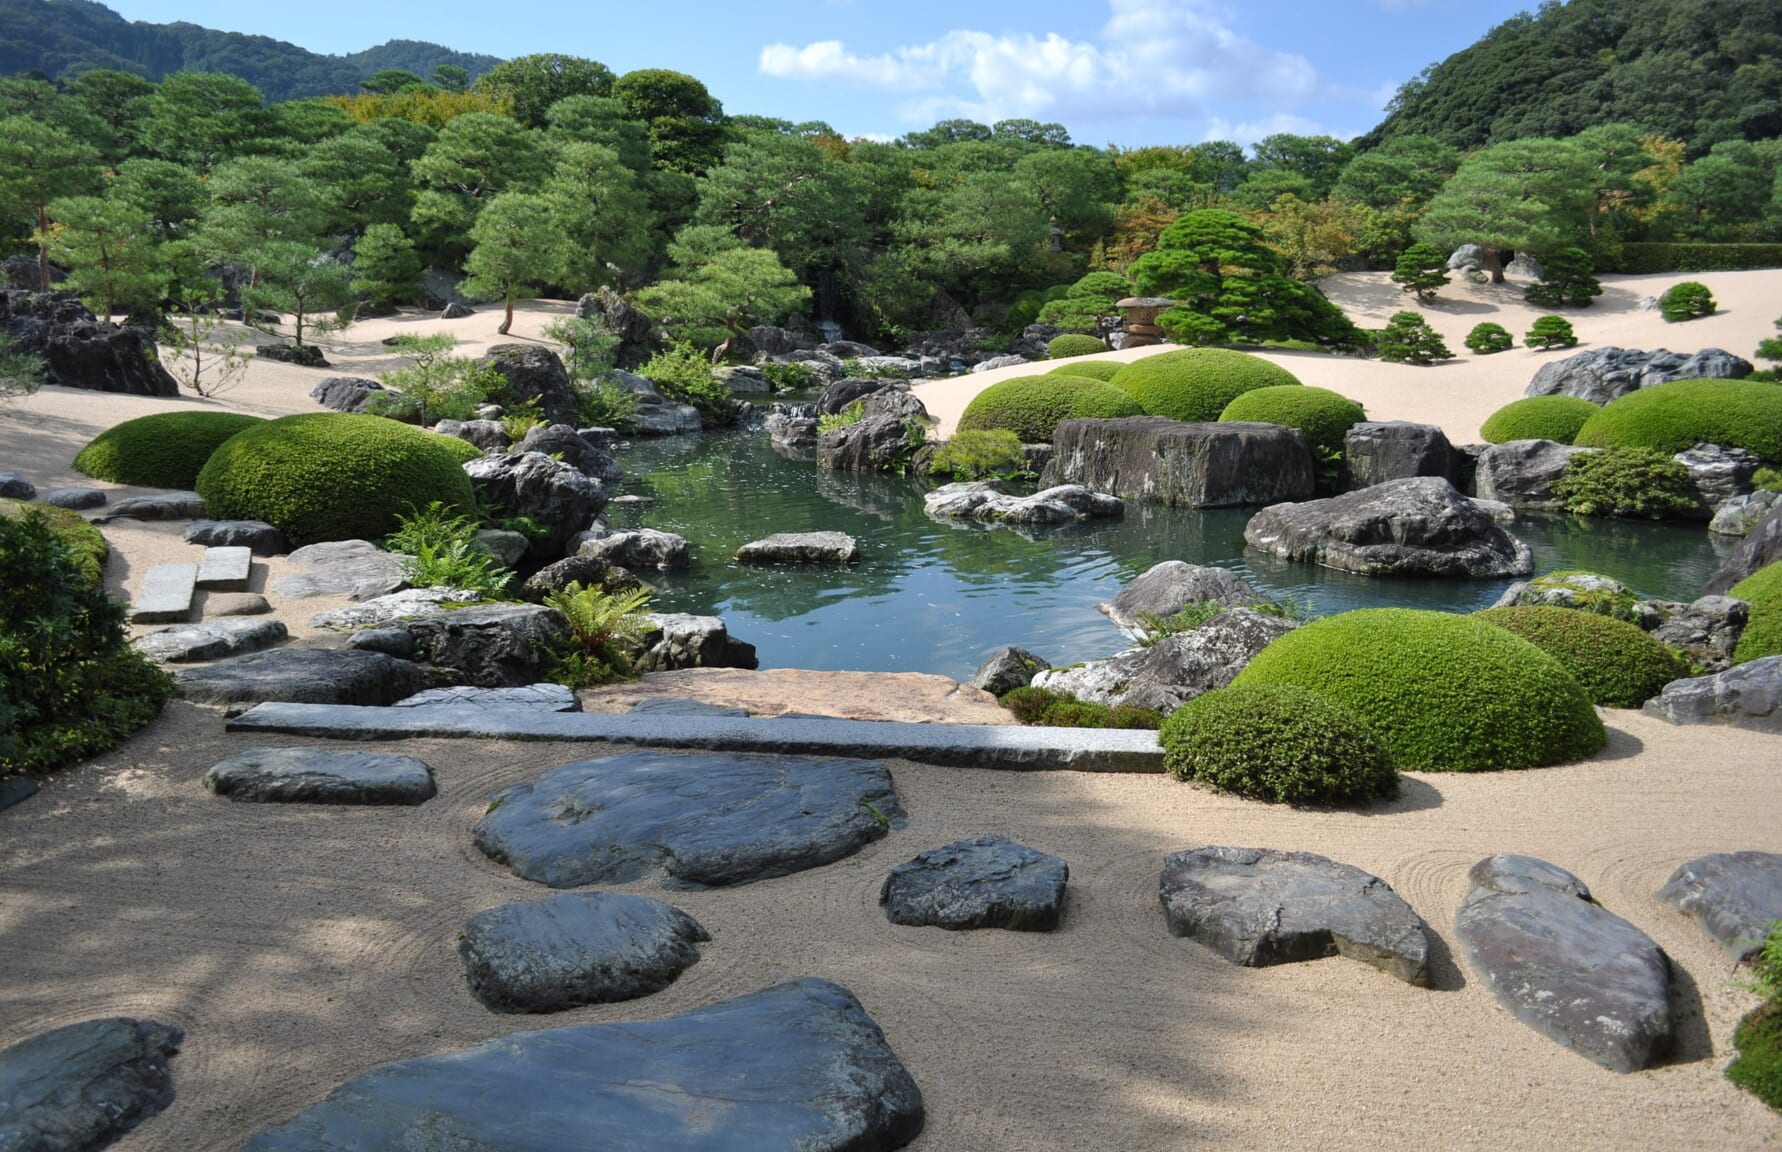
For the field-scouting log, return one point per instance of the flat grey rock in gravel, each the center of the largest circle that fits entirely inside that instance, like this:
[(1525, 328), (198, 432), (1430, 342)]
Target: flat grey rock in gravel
[(676, 706), (211, 640), (797, 1066), (303, 676), (257, 535), (1564, 965), (1734, 896), (1167, 588), (983, 882), (79, 499), (390, 641), (357, 569), (576, 948), (709, 819), (165, 594), (527, 698), (1258, 906), (318, 776), (78, 1088), (16, 487), (166, 506), (226, 569), (16, 790), (235, 604), (1746, 695), (387, 611), (801, 548)]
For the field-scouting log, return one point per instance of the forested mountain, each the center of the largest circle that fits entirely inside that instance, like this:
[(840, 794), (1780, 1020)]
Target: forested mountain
[(63, 37), (1701, 71)]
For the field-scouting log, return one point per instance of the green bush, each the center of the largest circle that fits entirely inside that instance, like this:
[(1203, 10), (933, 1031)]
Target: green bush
[(1686, 300), (1763, 634), (1321, 414), (442, 552), (165, 450), (1758, 1038), (1567, 279), (86, 547), (1102, 370), (463, 451), (1408, 339), (1488, 338), (332, 476), (1042, 708), (1677, 416), (684, 375), (1767, 480), (1444, 693), (1555, 418), (1631, 483), (1073, 344), (1278, 743), (1617, 663), (1033, 406), (793, 377), (606, 629), (980, 456), (1195, 384), (1550, 332), (1636, 259)]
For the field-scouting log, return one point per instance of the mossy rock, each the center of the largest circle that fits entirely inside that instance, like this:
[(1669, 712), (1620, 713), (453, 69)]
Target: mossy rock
[(1324, 416), (1033, 406), (1677, 416), (1617, 663), (332, 476), (1556, 418), (1196, 384), (1758, 1067), (1102, 370), (83, 541), (1763, 634), (1073, 344), (165, 450), (1445, 693)]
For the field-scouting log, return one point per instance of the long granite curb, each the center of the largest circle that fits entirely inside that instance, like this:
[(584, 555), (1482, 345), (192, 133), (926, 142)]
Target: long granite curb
[(950, 745)]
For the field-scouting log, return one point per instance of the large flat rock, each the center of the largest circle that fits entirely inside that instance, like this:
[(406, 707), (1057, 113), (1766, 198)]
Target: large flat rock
[(527, 698), (357, 569), (319, 776), (1744, 696), (165, 595), (797, 1066), (1734, 896), (711, 819), (390, 610), (983, 882), (909, 697), (78, 1088), (303, 676), (226, 568), (211, 640), (162, 506), (801, 548), (1149, 458), (1419, 526)]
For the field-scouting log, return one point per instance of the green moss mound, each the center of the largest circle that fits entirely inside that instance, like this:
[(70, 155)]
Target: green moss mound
[(1538, 418), (1195, 384), (1444, 693), (463, 451), (1677, 416), (1073, 344), (1321, 414), (1618, 664), (1032, 406), (166, 450), (1278, 743), (331, 476), (1102, 370), (1758, 1067), (1040, 707), (86, 546), (1763, 634)]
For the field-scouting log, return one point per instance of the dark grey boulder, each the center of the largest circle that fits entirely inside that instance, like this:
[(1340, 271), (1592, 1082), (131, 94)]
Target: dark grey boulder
[(635, 548), (390, 641), (1734, 896), (1564, 965), (875, 444), (1007, 669), (1718, 474), (1177, 668), (1604, 374), (16, 790), (535, 375), (303, 676), (654, 414), (16, 487), (1746, 695), (1707, 630), (164, 506), (78, 499), (639, 338), (508, 548), (345, 393), (79, 1088), (211, 640), (1163, 461), (1167, 588), (302, 355), (1761, 547), (842, 393), (584, 570), (567, 445), (525, 698), (801, 548), (318, 776), (793, 433), (1521, 473), (679, 640), (984, 882), (489, 645), (576, 948), (556, 495), (485, 432), (82, 351), (710, 819), (1376, 451), (356, 569), (456, 311), (261, 537)]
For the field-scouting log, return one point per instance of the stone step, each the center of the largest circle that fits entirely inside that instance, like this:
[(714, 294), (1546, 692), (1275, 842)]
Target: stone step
[(225, 569), (165, 596)]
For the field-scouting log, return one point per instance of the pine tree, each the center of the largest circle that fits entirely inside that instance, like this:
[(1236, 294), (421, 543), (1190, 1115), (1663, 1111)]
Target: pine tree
[(1408, 339), (515, 248), (110, 252), (1566, 279), (1550, 332), (1421, 269)]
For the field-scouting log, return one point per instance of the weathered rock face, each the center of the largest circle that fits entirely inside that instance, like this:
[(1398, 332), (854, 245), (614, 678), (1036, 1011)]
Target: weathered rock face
[(1377, 451), (161, 506), (1604, 374), (801, 548), (489, 645), (1707, 631), (795, 433), (456, 311), (317, 776), (1736, 517), (357, 569), (654, 414), (988, 501), (1189, 465), (773, 341), (1521, 473), (875, 444), (212, 640), (743, 380), (636, 548), (302, 355), (707, 819), (390, 641), (556, 495), (525, 698), (261, 537), (984, 882), (79, 1088), (78, 350), (1734, 896), (1586, 591), (1420, 526), (1718, 474), (683, 641), (387, 611), (639, 338), (1171, 586), (535, 375), (1761, 548), (566, 444), (1564, 965), (1258, 906), (1007, 669), (303, 676), (993, 363), (345, 393), (508, 548), (1748, 695), (1177, 668), (487, 434), (842, 393), (583, 570)]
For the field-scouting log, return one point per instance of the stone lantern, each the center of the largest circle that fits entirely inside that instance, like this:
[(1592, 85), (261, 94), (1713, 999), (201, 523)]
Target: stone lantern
[(1139, 316)]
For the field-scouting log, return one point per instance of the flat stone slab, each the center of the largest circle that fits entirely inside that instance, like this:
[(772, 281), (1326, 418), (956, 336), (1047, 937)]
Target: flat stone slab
[(1734, 896), (385, 611), (911, 697), (357, 569), (679, 706), (1564, 965), (236, 604), (79, 499), (576, 948), (16, 790), (256, 535), (1744, 696), (165, 595), (801, 548), (1259, 906), (528, 698), (303, 676), (797, 1066), (225, 569), (211, 640), (317, 776), (78, 1088), (166, 506), (712, 819), (983, 882)]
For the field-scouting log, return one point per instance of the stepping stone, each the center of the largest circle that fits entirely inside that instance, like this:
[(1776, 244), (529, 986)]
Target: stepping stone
[(386, 611), (211, 640), (679, 706), (166, 506), (236, 604), (391, 641), (801, 548), (529, 698), (316, 776), (706, 819), (16, 790), (576, 948), (81, 1087), (1745, 696), (78, 499), (262, 538), (798, 1066), (303, 676), (225, 569), (357, 569), (1734, 896), (16, 487), (1565, 966), (165, 596), (1258, 907), (984, 882)]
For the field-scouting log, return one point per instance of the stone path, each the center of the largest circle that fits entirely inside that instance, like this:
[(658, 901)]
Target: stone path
[(165, 595), (318, 776), (357, 569), (211, 640), (1734, 896), (304, 675), (80, 1087), (983, 882), (225, 569), (163, 506)]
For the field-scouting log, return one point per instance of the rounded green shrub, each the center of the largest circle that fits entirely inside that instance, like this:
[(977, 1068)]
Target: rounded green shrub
[(165, 450), (85, 544), (1677, 416), (1074, 344), (1538, 418), (1409, 339), (1444, 693), (1686, 300), (1102, 370), (1487, 339), (1321, 414), (1279, 743), (1195, 384), (1032, 406), (463, 451), (1618, 664), (332, 476), (1763, 634), (1758, 1067)]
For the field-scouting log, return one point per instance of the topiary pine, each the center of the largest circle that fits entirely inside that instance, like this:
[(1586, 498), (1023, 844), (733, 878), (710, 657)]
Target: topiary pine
[(1567, 278), (1686, 300), (1487, 339), (1550, 332), (1556, 418), (1103, 370), (1618, 664), (164, 450), (1195, 384), (1422, 269), (1675, 417), (1408, 339), (1073, 344), (1033, 406), (1771, 348), (1630, 483)]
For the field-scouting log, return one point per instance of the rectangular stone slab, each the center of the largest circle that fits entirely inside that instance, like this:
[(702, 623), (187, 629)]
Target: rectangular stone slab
[(225, 569), (166, 595)]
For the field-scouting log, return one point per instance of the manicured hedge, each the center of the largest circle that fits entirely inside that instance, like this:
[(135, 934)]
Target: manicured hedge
[(1758, 1066), (86, 546), (1323, 415), (1279, 743), (1643, 258), (1102, 370), (1032, 406), (463, 451), (165, 450), (1444, 693), (1195, 384), (1074, 344), (1618, 664), (1538, 418), (1677, 416), (1763, 634)]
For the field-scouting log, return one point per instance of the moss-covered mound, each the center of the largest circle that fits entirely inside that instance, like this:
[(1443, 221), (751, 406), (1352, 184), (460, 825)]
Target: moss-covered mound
[(463, 451), (86, 547), (1279, 743), (1677, 416), (1538, 418), (1321, 414), (1758, 1066), (1618, 664), (1195, 384), (166, 450), (331, 476), (1032, 406), (1073, 344), (1102, 370), (1763, 635), (1444, 693), (1043, 708)]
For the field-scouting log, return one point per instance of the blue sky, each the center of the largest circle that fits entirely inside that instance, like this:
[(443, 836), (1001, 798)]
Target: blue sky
[(1113, 71)]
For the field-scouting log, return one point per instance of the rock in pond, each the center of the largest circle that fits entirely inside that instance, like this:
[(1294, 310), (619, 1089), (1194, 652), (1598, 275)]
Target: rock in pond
[(678, 641), (356, 569), (1007, 669), (1746, 695), (576, 948), (1734, 896), (986, 500), (212, 640), (584, 570), (710, 819), (635, 548), (1563, 964), (556, 495), (875, 444), (1167, 588), (1521, 473), (801, 548), (1258, 906), (1164, 461), (303, 676), (317, 776), (525, 698), (983, 882), (78, 1088), (791, 433), (1175, 669), (1376, 451), (1761, 547)]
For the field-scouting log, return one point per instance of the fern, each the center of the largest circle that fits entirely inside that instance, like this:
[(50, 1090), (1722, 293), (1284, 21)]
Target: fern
[(442, 552), (603, 631)]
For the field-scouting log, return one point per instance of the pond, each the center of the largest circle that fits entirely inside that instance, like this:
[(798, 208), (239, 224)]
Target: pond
[(931, 596)]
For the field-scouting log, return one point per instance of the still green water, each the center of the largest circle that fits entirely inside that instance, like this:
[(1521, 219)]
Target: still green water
[(932, 596)]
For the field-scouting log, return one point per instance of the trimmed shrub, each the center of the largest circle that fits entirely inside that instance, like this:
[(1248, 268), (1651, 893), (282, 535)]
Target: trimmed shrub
[(1567, 279), (1639, 258), (1556, 418), (463, 451), (1630, 483), (1040, 707), (332, 476), (1423, 269), (1767, 480), (1444, 693), (1686, 300), (1074, 344), (1763, 634), (1278, 743), (1408, 339), (1550, 332), (1032, 406), (1321, 414), (86, 547), (165, 450), (1487, 339), (1677, 416), (1195, 384), (979, 456), (1102, 370), (1758, 1038), (1617, 663)]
